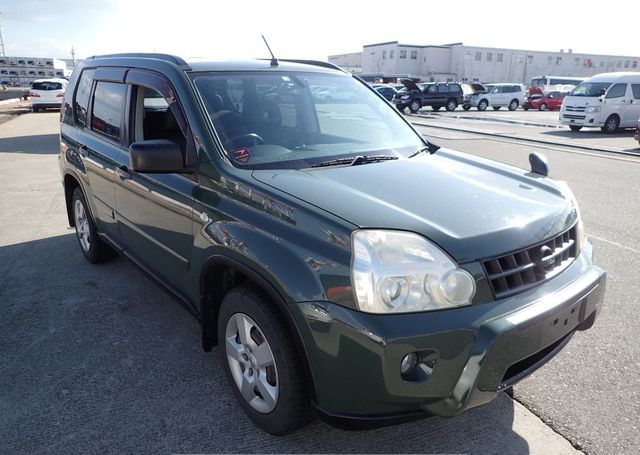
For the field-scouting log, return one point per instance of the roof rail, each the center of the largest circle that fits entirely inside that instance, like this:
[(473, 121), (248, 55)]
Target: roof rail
[(169, 58), (315, 63)]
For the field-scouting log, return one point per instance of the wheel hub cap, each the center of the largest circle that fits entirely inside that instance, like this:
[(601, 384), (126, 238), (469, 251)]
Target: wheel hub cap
[(83, 229), (252, 363)]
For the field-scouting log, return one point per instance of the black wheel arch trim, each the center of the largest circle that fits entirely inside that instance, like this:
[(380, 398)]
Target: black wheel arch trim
[(208, 312)]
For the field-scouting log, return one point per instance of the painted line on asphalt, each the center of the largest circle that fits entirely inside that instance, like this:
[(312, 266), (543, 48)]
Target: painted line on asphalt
[(531, 139), (611, 242), (519, 141)]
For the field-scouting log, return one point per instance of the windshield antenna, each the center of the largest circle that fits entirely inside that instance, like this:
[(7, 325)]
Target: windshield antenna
[(274, 60)]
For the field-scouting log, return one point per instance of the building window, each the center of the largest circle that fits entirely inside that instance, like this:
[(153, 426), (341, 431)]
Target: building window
[(634, 64), (601, 64), (558, 60), (489, 56), (391, 53), (619, 64), (478, 56), (372, 53), (577, 59), (403, 53), (626, 64), (499, 57), (550, 60), (529, 58), (414, 55), (384, 55)]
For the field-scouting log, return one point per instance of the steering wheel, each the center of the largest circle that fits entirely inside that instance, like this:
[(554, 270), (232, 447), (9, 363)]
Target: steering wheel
[(250, 138)]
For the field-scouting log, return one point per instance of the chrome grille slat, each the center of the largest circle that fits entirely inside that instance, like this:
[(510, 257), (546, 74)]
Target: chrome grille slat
[(521, 270)]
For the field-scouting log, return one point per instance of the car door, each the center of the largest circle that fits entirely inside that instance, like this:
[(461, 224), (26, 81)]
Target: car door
[(94, 141), (615, 102), (154, 210), (633, 108)]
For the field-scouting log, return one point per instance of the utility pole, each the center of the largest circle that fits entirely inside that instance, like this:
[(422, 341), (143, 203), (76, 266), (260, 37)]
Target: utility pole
[(73, 56), (1, 39)]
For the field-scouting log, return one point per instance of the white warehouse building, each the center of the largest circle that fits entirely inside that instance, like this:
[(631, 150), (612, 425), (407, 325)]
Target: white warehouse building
[(24, 70), (457, 62)]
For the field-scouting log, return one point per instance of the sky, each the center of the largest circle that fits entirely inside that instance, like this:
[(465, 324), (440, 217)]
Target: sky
[(310, 30)]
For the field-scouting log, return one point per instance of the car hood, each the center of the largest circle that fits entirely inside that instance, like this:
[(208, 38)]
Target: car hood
[(410, 85), (471, 207)]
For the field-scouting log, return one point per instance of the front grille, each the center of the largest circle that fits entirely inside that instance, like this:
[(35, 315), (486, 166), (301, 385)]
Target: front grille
[(574, 117), (518, 271), (575, 108)]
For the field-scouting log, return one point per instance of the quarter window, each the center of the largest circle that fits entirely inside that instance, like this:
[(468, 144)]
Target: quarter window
[(108, 106), (617, 91)]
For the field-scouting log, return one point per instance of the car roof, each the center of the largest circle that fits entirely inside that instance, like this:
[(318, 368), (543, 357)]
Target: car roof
[(208, 64), (615, 77)]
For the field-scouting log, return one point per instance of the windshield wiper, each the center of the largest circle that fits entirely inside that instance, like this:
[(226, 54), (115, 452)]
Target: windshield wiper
[(431, 148), (355, 160)]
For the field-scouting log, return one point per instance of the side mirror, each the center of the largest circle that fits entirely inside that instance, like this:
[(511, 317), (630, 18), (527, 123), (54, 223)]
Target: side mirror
[(156, 155)]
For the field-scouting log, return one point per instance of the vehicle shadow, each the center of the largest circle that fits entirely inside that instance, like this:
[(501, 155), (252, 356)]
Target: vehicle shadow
[(41, 144), (96, 358)]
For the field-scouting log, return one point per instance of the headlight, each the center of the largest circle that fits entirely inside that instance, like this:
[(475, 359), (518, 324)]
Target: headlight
[(592, 109), (402, 272), (580, 234)]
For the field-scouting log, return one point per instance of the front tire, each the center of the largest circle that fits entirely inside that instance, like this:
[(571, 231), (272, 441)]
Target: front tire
[(451, 105), (92, 247), (542, 107), (415, 106), (483, 105), (261, 362), (611, 125)]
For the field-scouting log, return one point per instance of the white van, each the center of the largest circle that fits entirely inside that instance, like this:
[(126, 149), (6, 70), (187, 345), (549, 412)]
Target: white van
[(609, 101)]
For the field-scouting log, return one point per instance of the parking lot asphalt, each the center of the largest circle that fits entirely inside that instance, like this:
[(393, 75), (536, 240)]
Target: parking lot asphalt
[(96, 359)]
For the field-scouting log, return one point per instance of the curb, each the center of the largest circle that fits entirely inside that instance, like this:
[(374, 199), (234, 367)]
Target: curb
[(528, 139), (498, 120), (10, 101)]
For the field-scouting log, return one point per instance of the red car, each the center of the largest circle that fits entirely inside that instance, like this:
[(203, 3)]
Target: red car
[(551, 101)]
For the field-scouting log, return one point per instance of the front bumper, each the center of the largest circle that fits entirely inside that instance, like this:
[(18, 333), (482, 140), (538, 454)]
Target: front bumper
[(580, 119), (474, 352)]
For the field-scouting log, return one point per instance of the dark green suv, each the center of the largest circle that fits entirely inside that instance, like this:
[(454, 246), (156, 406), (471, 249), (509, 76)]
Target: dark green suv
[(338, 260)]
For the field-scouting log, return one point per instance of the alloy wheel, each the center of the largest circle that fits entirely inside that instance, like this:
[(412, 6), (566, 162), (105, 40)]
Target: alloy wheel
[(83, 230)]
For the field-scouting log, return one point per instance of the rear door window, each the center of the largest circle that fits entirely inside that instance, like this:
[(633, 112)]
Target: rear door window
[(82, 96), (635, 88), (108, 107)]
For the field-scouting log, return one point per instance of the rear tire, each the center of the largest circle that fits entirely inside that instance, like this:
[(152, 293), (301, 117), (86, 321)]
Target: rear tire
[(513, 105), (575, 127), (91, 245), (483, 105), (611, 125), (261, 362), (542, 107)]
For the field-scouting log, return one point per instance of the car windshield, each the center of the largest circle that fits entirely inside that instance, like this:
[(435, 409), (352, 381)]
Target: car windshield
[(295, 120), (591, 89)]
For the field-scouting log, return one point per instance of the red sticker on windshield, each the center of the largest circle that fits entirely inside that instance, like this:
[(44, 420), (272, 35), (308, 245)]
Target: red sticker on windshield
[(241, 155)]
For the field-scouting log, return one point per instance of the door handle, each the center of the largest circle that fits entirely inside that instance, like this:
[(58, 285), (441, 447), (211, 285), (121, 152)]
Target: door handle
[(84, 151), (123, 173)]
